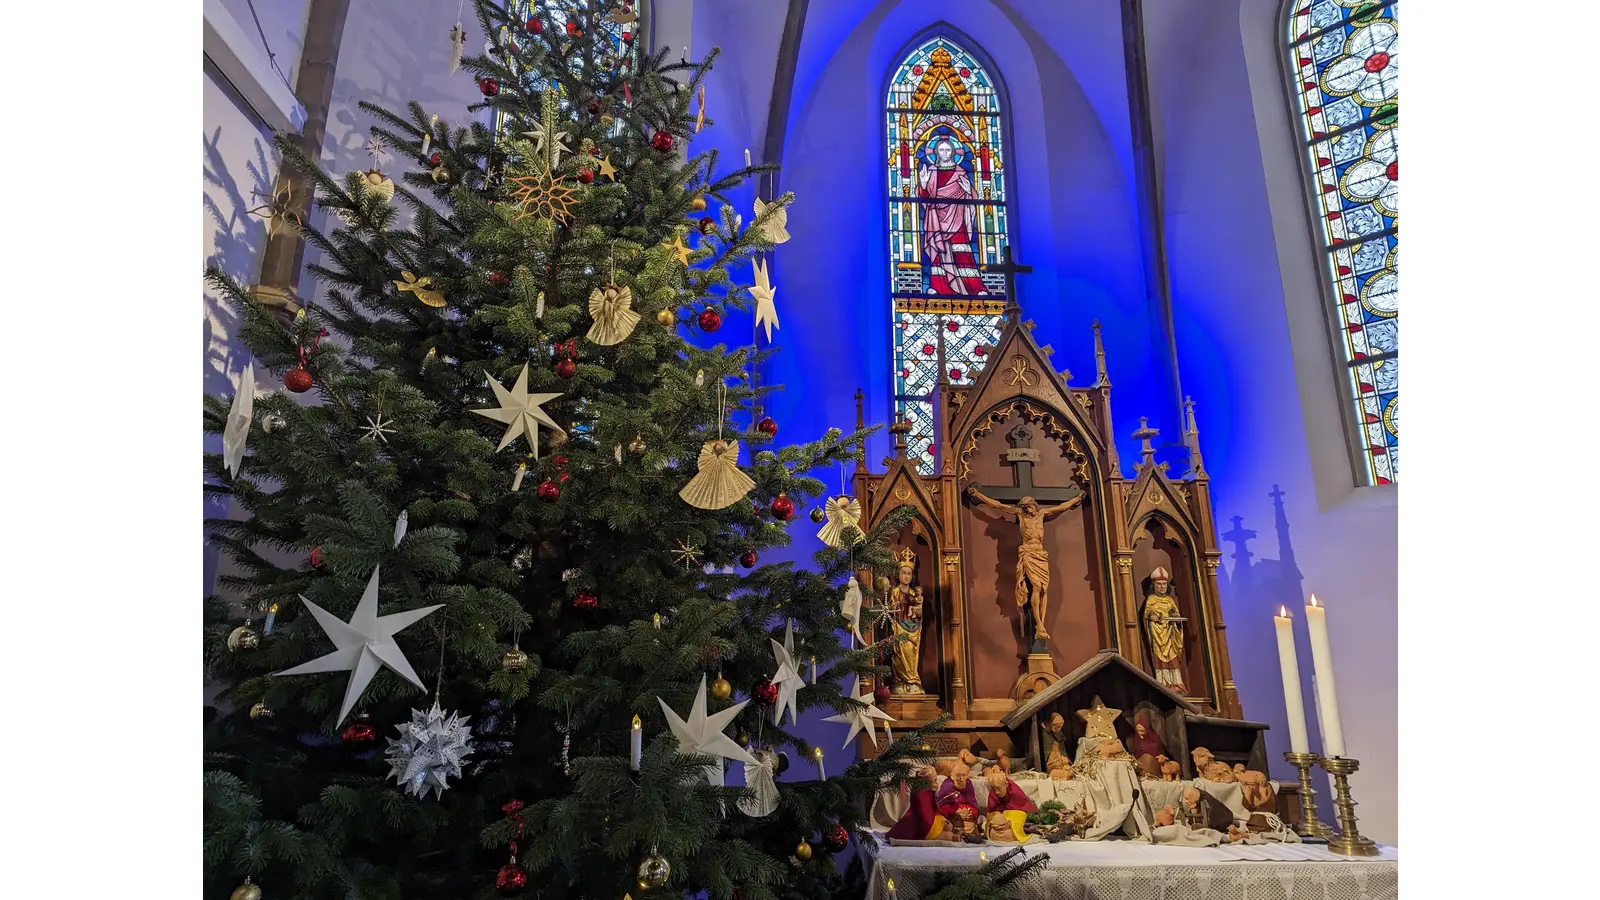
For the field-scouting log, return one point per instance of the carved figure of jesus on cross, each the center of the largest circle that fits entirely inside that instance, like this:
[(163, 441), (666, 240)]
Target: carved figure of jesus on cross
[(1033, 561)]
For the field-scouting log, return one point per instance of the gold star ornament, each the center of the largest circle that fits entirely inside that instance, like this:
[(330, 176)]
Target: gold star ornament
[(607, 169), (521, 411), (1100, 719), (542, 195), (676, 245)]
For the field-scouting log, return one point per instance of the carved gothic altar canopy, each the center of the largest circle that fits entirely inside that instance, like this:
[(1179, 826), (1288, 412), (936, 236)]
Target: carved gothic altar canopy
[(1021, 429)]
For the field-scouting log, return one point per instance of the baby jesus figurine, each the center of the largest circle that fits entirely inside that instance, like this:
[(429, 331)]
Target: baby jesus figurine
[(1008, 807)]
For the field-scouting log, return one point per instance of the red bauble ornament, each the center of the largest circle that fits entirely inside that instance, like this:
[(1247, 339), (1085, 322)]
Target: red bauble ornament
[(748, 559), (765, 692), (298, 380), (533, 25), (573, 29), (549, 491), (585, 176), (835, 838), (782, 508), (767, 426), (586, 600), (663, 141), (316, 557), (710, 320), (881, 693), (594, 107), (488, 86), (359, 733), (510, 880), (437, 158), (566, 368), (499, 279), (560, 461)]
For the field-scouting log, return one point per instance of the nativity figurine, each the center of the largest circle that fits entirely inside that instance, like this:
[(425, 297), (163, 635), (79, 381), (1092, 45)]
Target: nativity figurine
[(1009, 806), (1201, 810), (1171, 771), (1146, 747), (1053, 742)]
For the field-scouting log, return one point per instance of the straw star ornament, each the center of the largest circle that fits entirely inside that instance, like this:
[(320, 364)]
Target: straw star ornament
[(521, 411)]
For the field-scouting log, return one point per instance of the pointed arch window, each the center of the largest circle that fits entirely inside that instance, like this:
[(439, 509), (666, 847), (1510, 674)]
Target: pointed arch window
[(1344, 60), (948, 217)]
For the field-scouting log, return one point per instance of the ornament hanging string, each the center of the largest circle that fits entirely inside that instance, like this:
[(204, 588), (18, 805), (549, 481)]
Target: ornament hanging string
[(438, 679)]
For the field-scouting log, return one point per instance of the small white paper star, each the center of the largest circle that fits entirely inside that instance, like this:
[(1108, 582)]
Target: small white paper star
[(363, 645), (378, 429), (557, 142), (862, 718), (764, 294), (520, 411), (237, 429), (704, 734), (788, 678)]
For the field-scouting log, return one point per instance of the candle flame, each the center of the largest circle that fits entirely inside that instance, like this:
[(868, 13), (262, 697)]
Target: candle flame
[(983, 857), (636, 723), (816, 752), (1313, 601), (1283, 612), (891, 884)]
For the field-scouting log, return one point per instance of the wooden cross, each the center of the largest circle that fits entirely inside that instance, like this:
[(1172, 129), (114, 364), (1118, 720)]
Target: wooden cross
[(1010, 269), (1021, 458)]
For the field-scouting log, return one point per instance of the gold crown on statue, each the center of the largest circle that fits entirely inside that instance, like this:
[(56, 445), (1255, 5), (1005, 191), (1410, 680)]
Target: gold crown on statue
[(908, 558)]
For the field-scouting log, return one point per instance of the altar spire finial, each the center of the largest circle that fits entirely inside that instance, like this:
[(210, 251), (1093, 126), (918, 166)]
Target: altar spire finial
[(1191, 437), (1101, 380), (1144, 436), (861, 423), (899, 429)]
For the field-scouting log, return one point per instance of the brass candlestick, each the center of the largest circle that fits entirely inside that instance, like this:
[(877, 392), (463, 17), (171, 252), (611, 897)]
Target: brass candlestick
[(1309, 826), (1350, 843)]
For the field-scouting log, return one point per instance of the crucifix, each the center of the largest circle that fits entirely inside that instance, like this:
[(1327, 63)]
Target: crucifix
[(1033, 561), (1010, 269)]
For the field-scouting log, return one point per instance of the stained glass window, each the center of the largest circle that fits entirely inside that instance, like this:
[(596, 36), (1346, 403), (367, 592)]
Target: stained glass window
[(1345, 60), (947, 219)]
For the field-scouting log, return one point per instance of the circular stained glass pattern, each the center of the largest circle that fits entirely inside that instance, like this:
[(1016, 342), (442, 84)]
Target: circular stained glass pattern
[(1391, 417), (1381, 294)]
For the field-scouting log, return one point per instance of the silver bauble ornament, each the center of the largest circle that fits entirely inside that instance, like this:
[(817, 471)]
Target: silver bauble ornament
[(272, 423)]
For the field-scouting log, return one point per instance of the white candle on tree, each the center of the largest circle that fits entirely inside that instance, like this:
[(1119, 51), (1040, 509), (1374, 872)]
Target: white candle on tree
[(821, 772), (1322, 666), (636, 744), (1289, 662)]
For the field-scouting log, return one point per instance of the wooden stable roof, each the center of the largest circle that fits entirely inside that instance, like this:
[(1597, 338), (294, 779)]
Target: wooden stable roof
[(1081, 674)]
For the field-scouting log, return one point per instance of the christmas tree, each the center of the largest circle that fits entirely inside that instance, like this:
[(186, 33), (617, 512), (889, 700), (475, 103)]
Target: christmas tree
[(504, 520)]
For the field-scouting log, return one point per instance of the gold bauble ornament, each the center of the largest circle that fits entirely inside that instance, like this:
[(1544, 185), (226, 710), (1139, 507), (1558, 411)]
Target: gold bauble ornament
[(636, 446), (698, 204), (721, 689), (654, 871), (817, 514), (243, 638), (666, 318), (803, 851), (246, 891), (514, 660), (743, 738), (260, 710), (440, 174), (883, 584)]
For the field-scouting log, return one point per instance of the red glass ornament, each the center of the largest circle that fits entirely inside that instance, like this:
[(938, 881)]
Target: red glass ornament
[(573, 29), (767, 426), (499, 279), (297, 380), (488, 86), (586, 600), (881, 693), (358, 733), (533, 25), (835, 838), (594, 107), (549, 491), (585, 176), (748, 559), (594, 152), (316, 557), (566, 368), (707, 225), (436, 158), (765, 692), (782, 508), (569, 349), (662, 141), (510, 880), (560, 461), (710, 320)]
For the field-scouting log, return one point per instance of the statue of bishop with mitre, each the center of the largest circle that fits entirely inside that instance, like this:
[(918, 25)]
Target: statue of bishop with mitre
[(1163, 626)]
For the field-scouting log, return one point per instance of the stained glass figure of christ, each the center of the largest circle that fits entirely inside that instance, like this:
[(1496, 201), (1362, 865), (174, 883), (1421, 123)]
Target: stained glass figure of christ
[(1344, 60), (947, 219)]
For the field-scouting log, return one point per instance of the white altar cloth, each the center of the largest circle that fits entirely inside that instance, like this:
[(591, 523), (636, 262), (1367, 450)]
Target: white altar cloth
[(1133, 870)]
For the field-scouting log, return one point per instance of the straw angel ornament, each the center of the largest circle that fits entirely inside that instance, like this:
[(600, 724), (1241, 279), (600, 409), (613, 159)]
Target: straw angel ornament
[(614, 318), (842, 512), (720, 483), (776, 227)]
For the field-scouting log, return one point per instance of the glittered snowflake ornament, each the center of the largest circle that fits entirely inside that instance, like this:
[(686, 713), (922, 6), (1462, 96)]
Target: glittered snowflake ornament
[(431, 748)]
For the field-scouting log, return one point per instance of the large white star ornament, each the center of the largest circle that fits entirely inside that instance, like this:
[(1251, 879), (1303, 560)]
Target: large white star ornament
[(704, 734), (764, 293), (788, 678), (237, 429), (557, 142), (363, 645), (520, 411), (862, 718)]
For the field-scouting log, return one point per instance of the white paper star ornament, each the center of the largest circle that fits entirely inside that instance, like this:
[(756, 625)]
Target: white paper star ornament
[(764, 294), (237, 429), (521, 411), (702, 733), (788, 679), (363, 645), (863, 718)]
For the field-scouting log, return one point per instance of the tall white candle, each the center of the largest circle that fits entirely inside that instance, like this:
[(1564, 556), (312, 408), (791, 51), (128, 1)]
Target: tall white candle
[(1316, 698), (1290, 664), (821, 772), (1322, 666), (635, 744)]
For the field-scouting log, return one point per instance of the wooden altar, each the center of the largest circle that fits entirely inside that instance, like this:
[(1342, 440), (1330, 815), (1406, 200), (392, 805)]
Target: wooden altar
[(1020, 429)]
